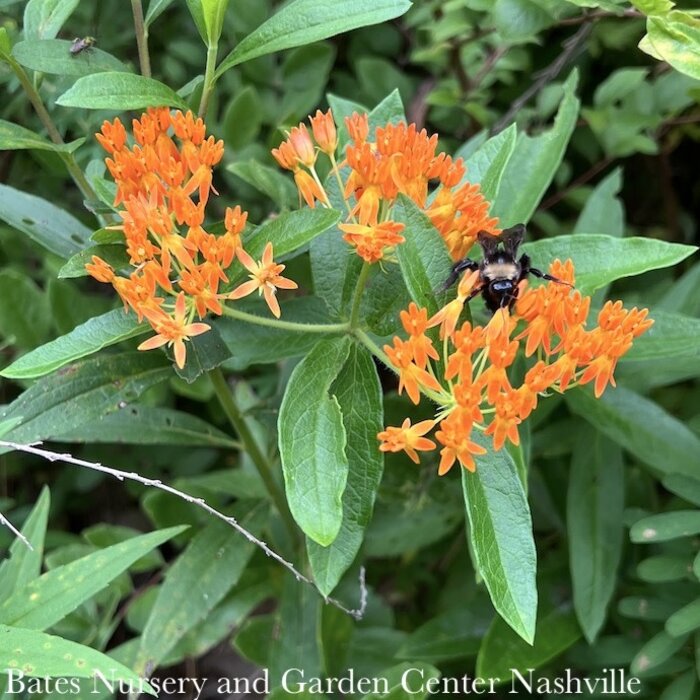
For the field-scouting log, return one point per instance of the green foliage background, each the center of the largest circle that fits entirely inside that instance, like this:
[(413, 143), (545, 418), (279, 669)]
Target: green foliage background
[(577, 551)]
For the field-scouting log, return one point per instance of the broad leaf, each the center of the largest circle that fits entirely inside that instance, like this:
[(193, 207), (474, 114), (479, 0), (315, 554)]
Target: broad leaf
[(41, 655), (666, 526), (270, 181), (640, 426), (211, 564), (114, 255), (47, 599), (86, 339), (500, 532), (43, 19), (54, 56), (534, 162), (423, 257), (599, 259), (676, 39), (306, 21), (595, 504), (48, 225), (120, 92), (312, 442), (16, 137), (488, 163), (359, 395), (81, 393), (603, 211)]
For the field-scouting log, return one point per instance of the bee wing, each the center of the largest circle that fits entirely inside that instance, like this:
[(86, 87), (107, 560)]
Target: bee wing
[(512, 238), (488, 242)]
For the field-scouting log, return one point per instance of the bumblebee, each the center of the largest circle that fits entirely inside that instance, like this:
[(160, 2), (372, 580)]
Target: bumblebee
[(500, 271), (84, 44)]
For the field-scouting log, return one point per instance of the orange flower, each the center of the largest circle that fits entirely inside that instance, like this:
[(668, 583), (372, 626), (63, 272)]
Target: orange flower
[(264, 277), (323, 128), (163, 185), (476, 388), (173, 330), (408, 438), (371, 242)]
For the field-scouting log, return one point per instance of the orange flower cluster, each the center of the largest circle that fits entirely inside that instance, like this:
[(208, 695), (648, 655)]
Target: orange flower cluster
[(163, 185), (475, 391), (400, 160)]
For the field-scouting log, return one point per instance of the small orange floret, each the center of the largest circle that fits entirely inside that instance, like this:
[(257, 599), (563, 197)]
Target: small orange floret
[(323, 128), (407, 438), (264, 277), (371, 241)]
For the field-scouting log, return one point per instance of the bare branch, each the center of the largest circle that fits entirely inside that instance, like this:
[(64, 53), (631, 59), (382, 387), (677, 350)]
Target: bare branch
[(199, 502)]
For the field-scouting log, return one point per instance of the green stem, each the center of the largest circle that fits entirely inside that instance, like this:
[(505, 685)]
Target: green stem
[(286, 325), (141, 38), (209, 79), (260, 459), (357, 298), (69, 161)]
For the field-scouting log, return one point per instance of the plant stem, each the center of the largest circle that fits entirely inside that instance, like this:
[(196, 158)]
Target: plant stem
[(141, 38), (74, 170), (260, 459), (357, 298), (286, 325), (209, 79)]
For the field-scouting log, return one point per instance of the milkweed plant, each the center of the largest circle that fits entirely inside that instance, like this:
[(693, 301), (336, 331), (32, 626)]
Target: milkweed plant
[(417, 375)]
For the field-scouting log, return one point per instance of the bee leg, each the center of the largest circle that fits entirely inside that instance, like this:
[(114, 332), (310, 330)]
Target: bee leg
[(526, 270), (457, 269)]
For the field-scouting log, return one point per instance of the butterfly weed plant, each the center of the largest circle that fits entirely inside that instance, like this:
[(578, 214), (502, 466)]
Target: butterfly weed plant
[(339, 338)]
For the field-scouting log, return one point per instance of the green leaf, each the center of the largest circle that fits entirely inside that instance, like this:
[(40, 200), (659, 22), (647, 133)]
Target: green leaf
[(49, 598), (643, 608), (600, 259), (686, 487), (24, 311), (305, 21), (640, 426), (664, 568), (487, 165), (81, 393), (40, 655), (120, 92), (250, 343), (54, 56), (197, 11), (294, 643), (500, 532), (359, 395), (211, 565), (454, 634), (503, 653), (312, 442), (666, 526), (114, 255), (518, 20), (214, 12), (658, 649), (16, 137), (155, 9), (603, 211), (685, 620), (681, 688), (243, 119), (534, 162), (205, 352), (595, 505), (676, 38), (423, 257), (267, 180), (149, 425), (24, 564), (44, 18), (93, 335), (672, 335), (43, 222)]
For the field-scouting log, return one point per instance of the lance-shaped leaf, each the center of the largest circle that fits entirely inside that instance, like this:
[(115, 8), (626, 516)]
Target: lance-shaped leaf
[(312, 442), (42, 655), (487, 165), (500, 532), (54, 56), (15, 137), (120, 92), (306, 21), (44, 18), (81, 393), (47, 599)]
